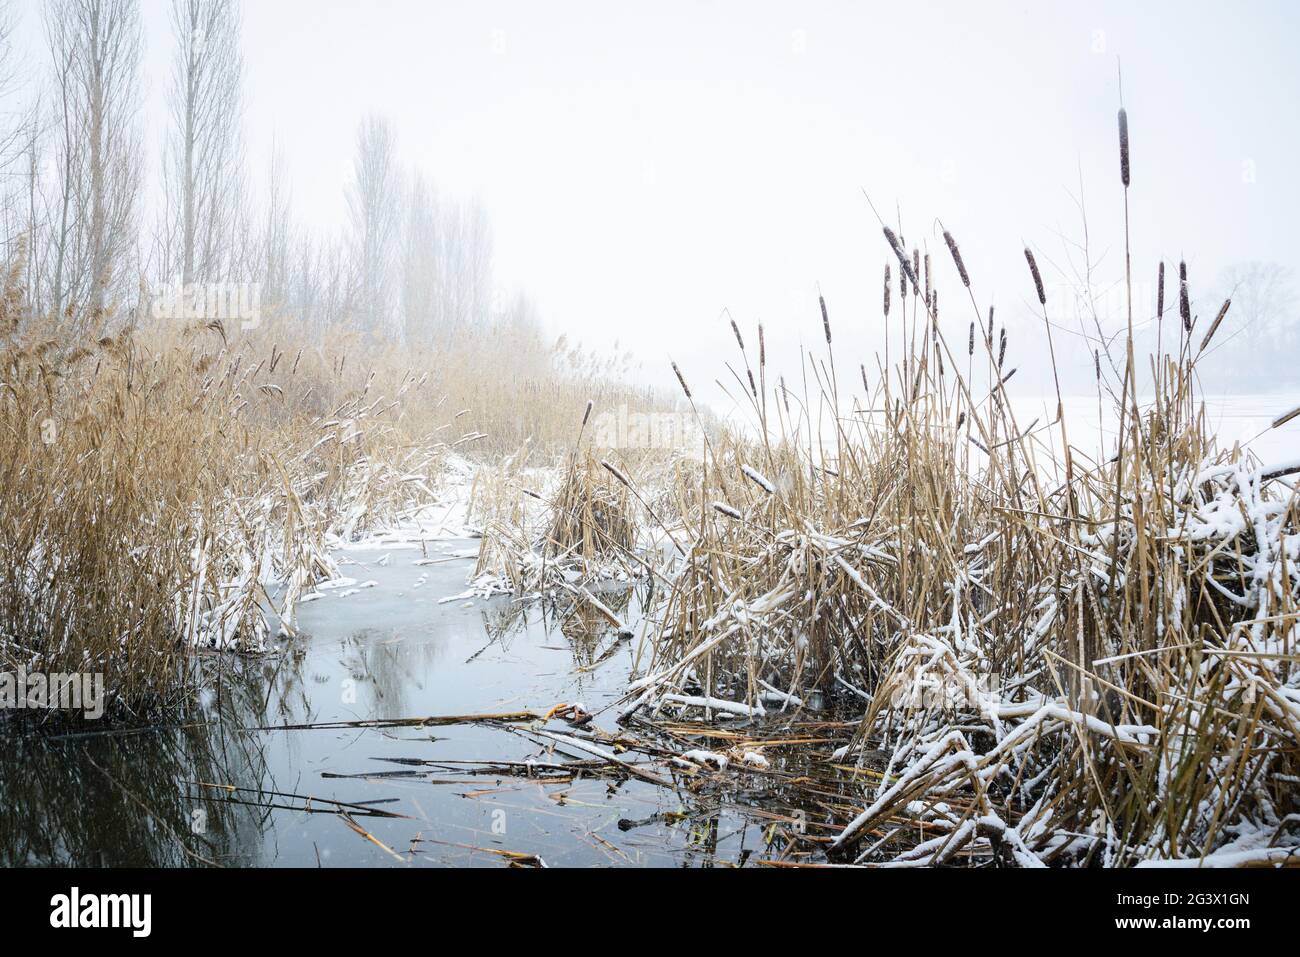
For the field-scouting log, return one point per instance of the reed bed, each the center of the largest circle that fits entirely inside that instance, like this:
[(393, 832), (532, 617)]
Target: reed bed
[(583, 531), (1057, 657), (173, 492)]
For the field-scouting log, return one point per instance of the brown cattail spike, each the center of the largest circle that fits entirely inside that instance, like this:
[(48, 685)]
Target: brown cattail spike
[(1184, 297), (1123, 147), (1160, 292), (1214, 326), (736, 329), (897, 247), (970, 345), (956, 258), (888, 290), (1038, 277), (826, 319), (682, 379)]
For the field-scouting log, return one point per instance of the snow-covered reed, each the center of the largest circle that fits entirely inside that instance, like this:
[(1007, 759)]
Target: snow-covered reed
[(168, 489), (1066, 659)]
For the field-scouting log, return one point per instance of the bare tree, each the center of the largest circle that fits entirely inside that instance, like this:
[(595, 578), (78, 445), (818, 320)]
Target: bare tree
[(1263, 301), (420, 262), (15, 139), (276, 234), (203, 181), (95, 53), (465, 262), (20, 165), (375, 218)]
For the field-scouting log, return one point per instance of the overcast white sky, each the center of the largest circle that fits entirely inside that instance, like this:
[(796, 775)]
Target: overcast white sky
[(647, 165)]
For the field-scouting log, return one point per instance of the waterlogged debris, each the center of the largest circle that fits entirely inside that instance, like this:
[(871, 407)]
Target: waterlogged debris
[(297, 802), (715, 704), (512, 858), (574, 713), (504, 717), (347, 819), (719, 761), (612, 759)]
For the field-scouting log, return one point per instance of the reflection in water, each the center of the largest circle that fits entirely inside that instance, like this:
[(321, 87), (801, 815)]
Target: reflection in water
[(258, 769), (129, 798)]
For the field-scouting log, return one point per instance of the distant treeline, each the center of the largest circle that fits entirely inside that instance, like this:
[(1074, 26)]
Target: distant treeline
[(77, 174)]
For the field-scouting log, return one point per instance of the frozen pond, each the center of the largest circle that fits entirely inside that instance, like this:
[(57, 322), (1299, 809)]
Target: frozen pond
[(209, 790)]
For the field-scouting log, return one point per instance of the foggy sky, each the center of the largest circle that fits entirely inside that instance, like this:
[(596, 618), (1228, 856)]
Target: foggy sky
[(647, 165)]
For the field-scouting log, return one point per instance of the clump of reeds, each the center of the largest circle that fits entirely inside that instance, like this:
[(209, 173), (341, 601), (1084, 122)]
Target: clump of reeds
[(170, 488), (1078, 661)]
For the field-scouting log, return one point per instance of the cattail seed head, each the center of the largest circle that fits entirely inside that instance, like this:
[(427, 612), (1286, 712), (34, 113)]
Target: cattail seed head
[(682, 379), (727, 510), (916, 271), (826, 319), (615, 471), (970, 344), (1184, 297), (1160, 291), (736, 329), (1038, 277), (762, 348), (929, 285), (587, 415), (956, 258), (1214, 326), (888, 290), (1096, 363), (908, 271), (1123, 147), (1002, 347)]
